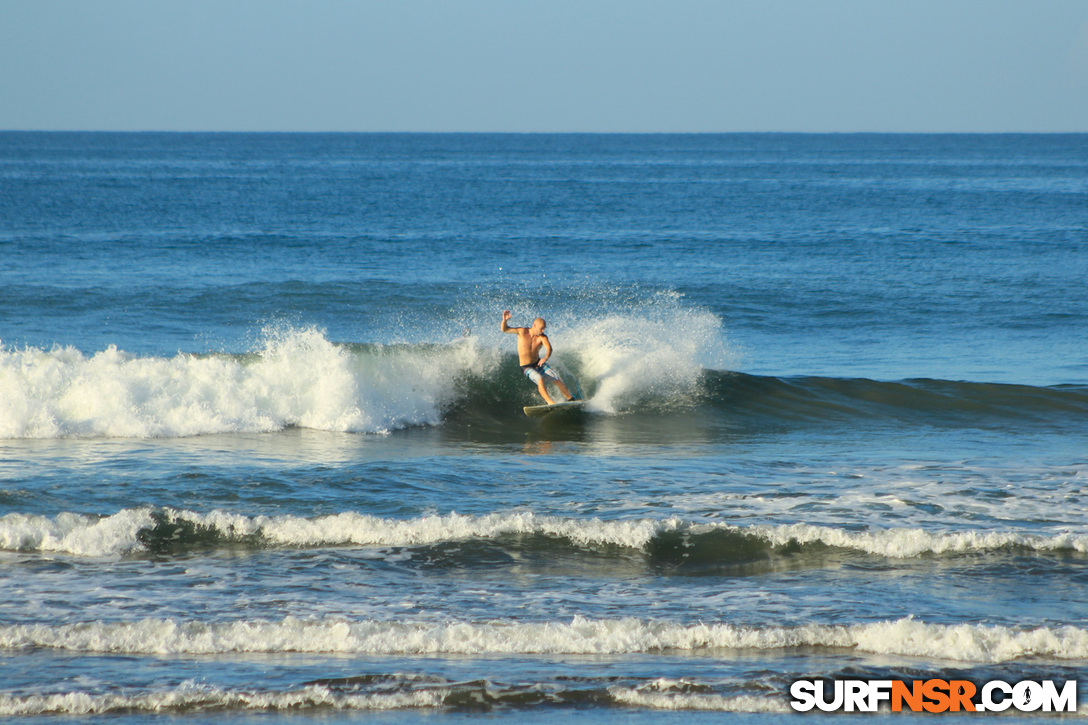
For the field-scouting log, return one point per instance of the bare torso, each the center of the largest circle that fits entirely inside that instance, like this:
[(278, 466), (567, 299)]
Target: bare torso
[(529, 346), (530, 341)]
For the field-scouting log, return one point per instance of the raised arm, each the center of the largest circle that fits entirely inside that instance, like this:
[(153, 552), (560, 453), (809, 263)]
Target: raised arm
[(505, 327)]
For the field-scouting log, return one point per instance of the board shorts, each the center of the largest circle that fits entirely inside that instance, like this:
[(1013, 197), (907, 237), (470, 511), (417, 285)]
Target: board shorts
[(538, 372)]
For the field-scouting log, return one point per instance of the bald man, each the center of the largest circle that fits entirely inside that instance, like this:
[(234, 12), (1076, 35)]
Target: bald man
[(530, 342)]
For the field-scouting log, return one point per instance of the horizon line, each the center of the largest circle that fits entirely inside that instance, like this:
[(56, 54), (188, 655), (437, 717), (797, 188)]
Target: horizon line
[(548, 133)]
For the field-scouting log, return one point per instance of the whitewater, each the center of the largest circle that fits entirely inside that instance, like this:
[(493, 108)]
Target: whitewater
[(298, 379), (135, 530)]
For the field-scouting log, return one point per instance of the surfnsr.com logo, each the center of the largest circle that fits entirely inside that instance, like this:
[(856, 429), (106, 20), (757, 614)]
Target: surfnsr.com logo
[(933, 696)]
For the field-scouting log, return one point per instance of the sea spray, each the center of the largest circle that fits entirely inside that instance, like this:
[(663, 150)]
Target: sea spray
[(297, 378), (656, 352)]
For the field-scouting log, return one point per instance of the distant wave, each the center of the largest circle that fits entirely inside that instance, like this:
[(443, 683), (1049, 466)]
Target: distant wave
[(663, 542), (904, 637)]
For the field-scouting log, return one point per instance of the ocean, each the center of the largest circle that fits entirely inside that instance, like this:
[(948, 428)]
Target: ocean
[(263, 458)]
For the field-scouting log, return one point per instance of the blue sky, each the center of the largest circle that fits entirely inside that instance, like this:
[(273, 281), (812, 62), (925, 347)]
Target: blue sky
[(536, 65)]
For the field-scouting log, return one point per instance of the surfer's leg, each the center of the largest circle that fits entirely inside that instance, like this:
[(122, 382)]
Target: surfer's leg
[(544, 391), (563, 389), (537, 377), (553, 377)]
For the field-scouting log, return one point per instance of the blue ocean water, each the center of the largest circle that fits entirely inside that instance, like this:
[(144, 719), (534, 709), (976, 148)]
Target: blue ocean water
[(262, 451)]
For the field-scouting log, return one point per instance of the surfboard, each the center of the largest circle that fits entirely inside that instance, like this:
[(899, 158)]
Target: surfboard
[(536, 411)]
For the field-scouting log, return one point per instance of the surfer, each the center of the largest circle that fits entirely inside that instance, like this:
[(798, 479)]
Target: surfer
[(535, 367)]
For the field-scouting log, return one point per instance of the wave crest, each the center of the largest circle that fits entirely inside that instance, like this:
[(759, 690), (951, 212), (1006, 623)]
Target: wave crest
[(197, 697), (905, 637), (298, 378), (665, 542), (653, 360), (396, 692)]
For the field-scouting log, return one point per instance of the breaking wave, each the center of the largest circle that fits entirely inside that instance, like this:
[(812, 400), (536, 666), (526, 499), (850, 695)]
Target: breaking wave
[(672, 540), (299, 378), (639, 364), (904, 637), (399, 692), (193, 697)]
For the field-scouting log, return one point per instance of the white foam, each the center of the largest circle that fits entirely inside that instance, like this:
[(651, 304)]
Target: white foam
[(971, 642), (909, 543), (658, 351), (72, 534), (119, 534), (352, 528), (904, 637), (664, 694), (297, 378), (193, 697)]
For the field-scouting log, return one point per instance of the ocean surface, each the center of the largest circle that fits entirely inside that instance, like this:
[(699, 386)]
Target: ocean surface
[(262, 453)]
